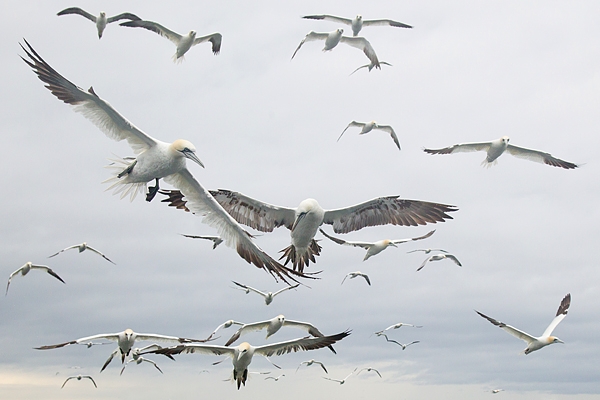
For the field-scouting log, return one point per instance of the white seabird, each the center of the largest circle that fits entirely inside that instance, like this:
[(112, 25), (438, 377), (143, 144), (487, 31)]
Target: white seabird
[(374, 248), (497, 147), (24, 270), (215, 239), (155, 160), (358, 22), (82, 247), (275, 379), (404, 346), (268, 296), (125, 340), (304, 220), (79, 377), (224, 325), (371, 66), (397, 326), (427, 251), (242, 354), (438, 257), (138, 359), (369, 369), (333, 38), (101, 21), (340, 381), (353, 275), (536, 343), (311, 362), (183, 42), (369, 126)]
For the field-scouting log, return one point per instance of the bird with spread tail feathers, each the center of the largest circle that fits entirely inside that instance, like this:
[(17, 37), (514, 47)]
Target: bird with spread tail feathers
[(101, 21)]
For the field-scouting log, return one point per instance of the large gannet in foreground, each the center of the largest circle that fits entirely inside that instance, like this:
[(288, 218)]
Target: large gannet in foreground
[(82, 247), (101, 21), (155, 160), (536, 343), (358, 22), (125, 340), (79, 377), (24, 270), (273, 325), (183, 42), (374, 248), (497, 147), (242, 354), (304, 220), (333, 38), (438, 257), (367, 127), (268, 296)]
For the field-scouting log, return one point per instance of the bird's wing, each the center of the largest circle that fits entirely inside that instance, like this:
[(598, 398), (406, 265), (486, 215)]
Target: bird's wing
[(286, 288), (353, 123), (412, 251), (322, 366), (67, 380), (366, 278), (254, 213), (460, 148), (332, 18), (344, 280), (65, 249), (155, 27), (48, 270), (108, 336), (77, 10), (195, 348), (214, 38), (453, 258), (390, 130), (362, 66), (121, 16), (202, 203), (539, 156), (361, 43), (308, 327), (310, 36), (384, 22), (364, 245), (561, 313), (231, 322), (424, 262), (91, 379), (100, 254), (166, 339), (263, 294), (253, 327), (98, 111), (386, 210), (330, 379), (399, 241), (416, 341), (512, 330), (305, 343)]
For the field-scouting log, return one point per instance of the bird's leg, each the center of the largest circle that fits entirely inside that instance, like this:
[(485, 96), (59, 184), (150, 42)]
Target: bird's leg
[(152, 190), (127, 170)]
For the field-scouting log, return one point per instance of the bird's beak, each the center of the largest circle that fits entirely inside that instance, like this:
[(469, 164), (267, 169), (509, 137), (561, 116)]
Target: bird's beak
[(560, 341), (298, 219), (192, 156), (393, 244)]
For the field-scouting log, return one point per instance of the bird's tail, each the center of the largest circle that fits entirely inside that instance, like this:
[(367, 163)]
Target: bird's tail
[(301, 260), (119, 180), (485, 163)]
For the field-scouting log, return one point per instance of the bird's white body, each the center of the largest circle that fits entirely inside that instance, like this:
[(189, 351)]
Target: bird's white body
[(268, 296), (308, 217), (101, 23)]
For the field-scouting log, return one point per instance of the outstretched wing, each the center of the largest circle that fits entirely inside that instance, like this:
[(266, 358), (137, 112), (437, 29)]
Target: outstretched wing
[(107, 336), (100, 254), (453, 258), (332, 18), (253, 327), (305, 343), (390, 130), (214, 38), (384, 22), (461, 148), (83, 13), (561, 313), (539, 156), (512, 330), (399, 241), (353, 123), (387, 210), (364, 245), (121, 16), (190, 348), (98, 111), (154, 27), (361, 43), (310, 36)]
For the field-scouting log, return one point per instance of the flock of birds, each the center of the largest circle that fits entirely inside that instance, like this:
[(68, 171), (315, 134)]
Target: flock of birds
[(226, 211)]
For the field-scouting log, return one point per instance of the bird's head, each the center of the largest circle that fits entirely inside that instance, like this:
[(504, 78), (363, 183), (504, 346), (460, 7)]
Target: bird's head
[(102, 14), (187, 150), (305, 207), (128, 333), (554, 339), (359, 17), (505, 139), (389, 243), (340, 31), (243, 349), (280, 318)]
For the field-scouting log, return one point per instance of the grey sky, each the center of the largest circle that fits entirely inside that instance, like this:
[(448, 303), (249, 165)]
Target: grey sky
[(267, 127)]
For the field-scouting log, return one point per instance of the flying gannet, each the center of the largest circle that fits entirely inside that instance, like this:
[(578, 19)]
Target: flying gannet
[(101, 21), (367, 127), (358, 22)]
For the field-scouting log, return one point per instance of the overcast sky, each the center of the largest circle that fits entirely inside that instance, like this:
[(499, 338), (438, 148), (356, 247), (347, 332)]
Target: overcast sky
[(265, 126)]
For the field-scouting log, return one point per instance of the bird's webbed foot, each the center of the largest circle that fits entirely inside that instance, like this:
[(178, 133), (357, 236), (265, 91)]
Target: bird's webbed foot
[(152, 190)]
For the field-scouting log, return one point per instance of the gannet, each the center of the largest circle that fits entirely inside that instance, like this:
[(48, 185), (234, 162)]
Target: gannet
[(427, 251), (101, 21), (224, 325), (82, 247), (311, 362), (369, 370), (79, 377), (353, 275), (268, 296), (536, 343), (374, 248), (183, 42), (358, 22), (138, 359), (341, 381), (275, 379), (438, 257), (215, 239), (497, 147), (404, 346), (24, 270), (396, 326), (369, 126), (304, 220)]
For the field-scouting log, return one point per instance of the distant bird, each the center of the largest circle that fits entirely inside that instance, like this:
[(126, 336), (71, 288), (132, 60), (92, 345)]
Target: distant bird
[(138, 359), (155, 160), (404, 346), (396, 326), (353, 275), (369, 126), (101, 21), (224, 325), (358, 22), (374, 248), (494, 391), (369, 370), (242, 354), (341, 381), (215, 239), (438, 257), (183, 42), (497, 147), (268, 296), (304, 220), (24, 270), (273, 325), (427, 251), (79, 377), (311, 362), (82, 247), (333, 38), (371, 66), (90, 344), (275, 379), (125, 340), (536, 343)]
